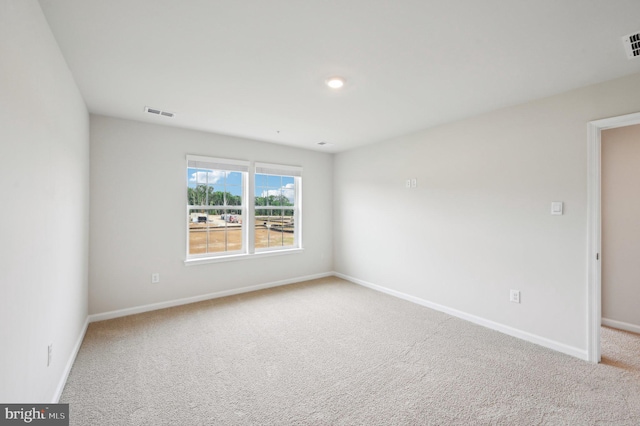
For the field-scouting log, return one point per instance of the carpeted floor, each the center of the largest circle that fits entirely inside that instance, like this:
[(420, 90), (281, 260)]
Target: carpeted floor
[(328, 352)]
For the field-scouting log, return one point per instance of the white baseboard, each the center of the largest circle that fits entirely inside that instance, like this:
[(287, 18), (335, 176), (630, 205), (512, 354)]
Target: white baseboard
[(69, 365), (621, 325), (177, 302), (514, 332)]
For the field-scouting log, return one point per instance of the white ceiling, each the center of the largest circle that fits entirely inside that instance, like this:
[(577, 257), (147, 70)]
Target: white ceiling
[(255, 67)]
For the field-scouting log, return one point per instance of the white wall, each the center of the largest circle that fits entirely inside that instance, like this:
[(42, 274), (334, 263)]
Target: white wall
[(44, 175), (621, 224), (479, 222), (138, 215)]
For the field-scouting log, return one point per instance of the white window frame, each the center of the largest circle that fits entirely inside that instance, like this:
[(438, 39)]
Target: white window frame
[(211, 163), (249, 170), (280, 170)]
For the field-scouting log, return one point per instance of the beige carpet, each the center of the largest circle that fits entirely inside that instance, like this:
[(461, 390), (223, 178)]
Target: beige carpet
[(327, 352)]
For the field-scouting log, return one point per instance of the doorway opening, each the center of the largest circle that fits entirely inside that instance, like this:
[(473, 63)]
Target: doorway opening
[(594, 226)]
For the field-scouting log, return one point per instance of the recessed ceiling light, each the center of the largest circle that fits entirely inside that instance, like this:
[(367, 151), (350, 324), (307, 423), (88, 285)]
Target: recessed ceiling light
[(335, 82)]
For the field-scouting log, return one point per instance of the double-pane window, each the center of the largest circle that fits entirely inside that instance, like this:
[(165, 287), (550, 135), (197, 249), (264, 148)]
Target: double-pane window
[(218, 210)]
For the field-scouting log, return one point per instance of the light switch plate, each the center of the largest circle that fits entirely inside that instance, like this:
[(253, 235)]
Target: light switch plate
[(556, 207)]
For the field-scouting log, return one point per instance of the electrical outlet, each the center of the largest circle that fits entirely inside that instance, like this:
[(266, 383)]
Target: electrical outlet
[(155, 278), (414, 182), (514, 296), (407, 184), (49, 354)]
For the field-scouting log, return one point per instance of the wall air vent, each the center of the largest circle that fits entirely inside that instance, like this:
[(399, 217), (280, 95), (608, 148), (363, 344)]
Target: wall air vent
[(632, 45), (158, 112)]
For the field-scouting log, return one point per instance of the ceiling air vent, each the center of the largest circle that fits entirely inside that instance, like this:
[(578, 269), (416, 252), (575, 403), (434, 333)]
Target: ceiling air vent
[(158, 112), (632, 45)]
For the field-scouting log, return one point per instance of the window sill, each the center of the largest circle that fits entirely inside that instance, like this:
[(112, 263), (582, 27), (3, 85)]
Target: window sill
[(230, 258)]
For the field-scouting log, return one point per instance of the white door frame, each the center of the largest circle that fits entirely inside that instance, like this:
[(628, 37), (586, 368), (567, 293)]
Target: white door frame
[(594, 222)]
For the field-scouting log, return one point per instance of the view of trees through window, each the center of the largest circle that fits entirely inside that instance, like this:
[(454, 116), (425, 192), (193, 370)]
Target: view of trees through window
[(203, 195), (274, 203), (217, 210)]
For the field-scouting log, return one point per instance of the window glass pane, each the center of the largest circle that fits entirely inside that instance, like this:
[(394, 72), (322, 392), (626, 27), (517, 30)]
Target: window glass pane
[(234, 239), (264, 194), (216, 239), (192, 198), (206, 177), (259, 200), (191, 177), (201, 195), (288, 190), (217, 177), (275, 197), (261, 192), (215, 197), (200, 222), (275, 229), (201, 177), (234, 230), (266, 232), (259, 211), (233, 189), (279, 192), (230, 218), (196, 234), (224, 231), (262, 226), (288, 228), (210, 195), (261, 180), (234, 178), (287, 180), (274, 181), (233, 196)]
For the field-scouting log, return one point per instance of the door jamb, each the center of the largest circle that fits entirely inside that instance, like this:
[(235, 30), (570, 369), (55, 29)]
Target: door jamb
[(594, 223)]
